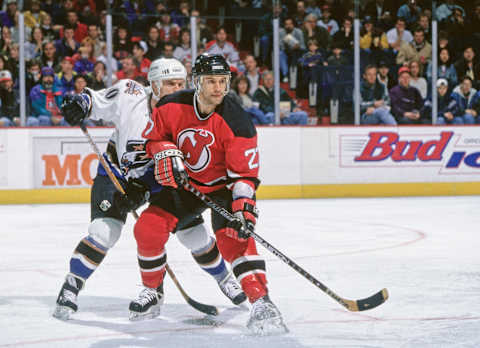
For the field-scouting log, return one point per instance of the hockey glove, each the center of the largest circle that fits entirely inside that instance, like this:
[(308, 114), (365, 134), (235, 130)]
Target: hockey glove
[(169, 168), (246, 213), (75, 108), (136, 195)]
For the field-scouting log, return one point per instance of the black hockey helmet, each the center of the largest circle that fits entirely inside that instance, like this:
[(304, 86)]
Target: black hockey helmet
[(207, 64)]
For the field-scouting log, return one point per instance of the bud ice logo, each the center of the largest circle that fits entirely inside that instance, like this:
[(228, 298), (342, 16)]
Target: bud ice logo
[(447, 149)]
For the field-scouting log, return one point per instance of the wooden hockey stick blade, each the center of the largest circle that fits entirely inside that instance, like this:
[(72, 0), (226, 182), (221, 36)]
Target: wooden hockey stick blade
[(207, 309), (366, 303), (204, 308)]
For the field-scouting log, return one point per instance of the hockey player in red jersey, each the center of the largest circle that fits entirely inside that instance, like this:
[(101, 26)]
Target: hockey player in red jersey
[(204, 136)]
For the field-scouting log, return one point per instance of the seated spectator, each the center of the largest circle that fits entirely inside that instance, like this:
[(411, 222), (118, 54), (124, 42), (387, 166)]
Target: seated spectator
[(49, 57), (292, 46), (240, 88), (398, 34), (154, 47), (264, 95), (410, 12), (122, 43), (49, 33), (416, 79), (6, 40), (7, 18), (444, 11), (98, 78), (311, 7), (34, 15), (84, 59), (103, 58), (80, 29), (183, 50), (464, 95), (448, 112), (445, 70), (204, 33), (313, 57), (225, 48), (65, 78), (327, 22), (94, 36), (467, 66), (300, 14), (337, 58), (168, 48), (345, 35), (10, 103), (79, 82), (33, 47), (265, 30), (13, 62), (418, 49), (129, 69), (33, 74), (369, 37), (252, 72), (312, 31), (181, 16), (169, 32), (374, 100), (406, 101), (143, 64), (424, 23), (46, 99), (381, 13), (67, 46)]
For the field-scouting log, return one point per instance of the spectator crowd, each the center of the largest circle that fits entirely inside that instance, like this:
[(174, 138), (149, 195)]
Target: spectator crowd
[(65, 51)]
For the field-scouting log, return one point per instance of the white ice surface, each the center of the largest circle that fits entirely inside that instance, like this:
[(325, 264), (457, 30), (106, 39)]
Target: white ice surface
[(424, 250)]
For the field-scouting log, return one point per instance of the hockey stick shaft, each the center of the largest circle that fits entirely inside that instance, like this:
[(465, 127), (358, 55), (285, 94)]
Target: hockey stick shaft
[(352, 305), (207, 309)]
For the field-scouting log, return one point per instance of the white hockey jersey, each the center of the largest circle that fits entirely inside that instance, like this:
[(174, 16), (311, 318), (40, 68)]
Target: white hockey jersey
[(126, 105)]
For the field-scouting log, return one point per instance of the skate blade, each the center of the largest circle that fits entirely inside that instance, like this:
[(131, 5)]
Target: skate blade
[(62, 313), (152, 313), (268, 327)]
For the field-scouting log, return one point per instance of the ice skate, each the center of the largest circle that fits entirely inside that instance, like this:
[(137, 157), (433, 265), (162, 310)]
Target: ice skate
[(67, 298), (232, 289), (147, 304), (265, 318)]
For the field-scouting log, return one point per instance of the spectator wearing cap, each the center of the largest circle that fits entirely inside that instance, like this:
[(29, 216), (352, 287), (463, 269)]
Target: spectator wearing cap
[(67, 46), (445, 70), (467, 65), (143, 64), (320, 34), (46, 99), (81, 30), (465, 96), (383, 75), (7, 18), (65, 76), (10, 103), (264, 95), (327, 22), (129, 69), (225, 48), (410, 12), (398, 34), (34, 15), (183, 50), (418, 49), (406, 101), (448, 111), (374, 100)]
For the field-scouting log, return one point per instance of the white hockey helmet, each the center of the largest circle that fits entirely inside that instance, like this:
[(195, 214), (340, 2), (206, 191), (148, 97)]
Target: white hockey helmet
[(166, 69)]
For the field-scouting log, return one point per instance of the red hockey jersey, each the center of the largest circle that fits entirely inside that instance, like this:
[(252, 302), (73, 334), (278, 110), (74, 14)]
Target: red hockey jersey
[(219, 148)]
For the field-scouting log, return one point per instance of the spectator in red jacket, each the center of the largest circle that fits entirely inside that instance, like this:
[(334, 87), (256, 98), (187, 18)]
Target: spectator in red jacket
[(129, 69), (81, 30), (143, 64)]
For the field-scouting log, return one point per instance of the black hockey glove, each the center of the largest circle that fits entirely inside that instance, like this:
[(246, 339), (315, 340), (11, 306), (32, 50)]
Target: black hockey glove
[(246, 213), (136, 195), (75, 108)]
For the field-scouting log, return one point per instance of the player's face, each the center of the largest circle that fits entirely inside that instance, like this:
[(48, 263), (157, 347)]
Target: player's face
[(213, 89), (171, 86)]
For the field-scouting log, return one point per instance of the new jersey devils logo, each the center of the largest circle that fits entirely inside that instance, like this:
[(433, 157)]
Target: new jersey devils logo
[(195, 143)]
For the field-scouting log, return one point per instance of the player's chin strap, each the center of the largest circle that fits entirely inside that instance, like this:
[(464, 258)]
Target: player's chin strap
[(204, 308), (352, 305)]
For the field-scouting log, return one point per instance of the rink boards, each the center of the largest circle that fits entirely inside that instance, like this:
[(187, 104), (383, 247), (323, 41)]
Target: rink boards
[(40, 165)]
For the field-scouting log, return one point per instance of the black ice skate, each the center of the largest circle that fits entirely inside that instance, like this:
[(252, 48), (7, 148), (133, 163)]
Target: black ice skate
[(147, 304), (232, 289), (265, 318), (67, 298)]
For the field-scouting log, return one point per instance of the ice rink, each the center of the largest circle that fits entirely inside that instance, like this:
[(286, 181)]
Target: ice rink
[(426, 251)]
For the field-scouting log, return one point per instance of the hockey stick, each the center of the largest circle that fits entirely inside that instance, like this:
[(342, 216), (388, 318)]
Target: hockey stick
[(352, 305), (204, 308)]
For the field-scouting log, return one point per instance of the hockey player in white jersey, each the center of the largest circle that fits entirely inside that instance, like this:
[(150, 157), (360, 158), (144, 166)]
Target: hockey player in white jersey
[(128, 105)]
